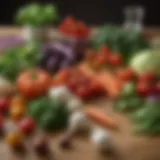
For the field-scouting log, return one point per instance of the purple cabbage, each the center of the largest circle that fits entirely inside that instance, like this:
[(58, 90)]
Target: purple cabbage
[(62, 54)]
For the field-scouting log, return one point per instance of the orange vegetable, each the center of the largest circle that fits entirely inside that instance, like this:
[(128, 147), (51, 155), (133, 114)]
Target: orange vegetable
[(14, 139), (17, 112), (18, 100), (34, 83), (111, 84), (99, 117)]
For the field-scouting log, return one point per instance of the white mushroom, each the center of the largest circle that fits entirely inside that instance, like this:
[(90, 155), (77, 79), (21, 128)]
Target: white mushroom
[(101, 138), (78, 122), (60, 93), (74, 104)]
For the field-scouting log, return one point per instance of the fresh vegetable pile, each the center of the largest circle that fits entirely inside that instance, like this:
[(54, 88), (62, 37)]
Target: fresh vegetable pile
[(123, 41), (140, 97), (103, 58), (44, 86)]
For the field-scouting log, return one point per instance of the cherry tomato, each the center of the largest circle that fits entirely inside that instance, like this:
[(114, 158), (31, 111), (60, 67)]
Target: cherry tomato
[(126, 75), (102, 59), (104, 50), (115, 59), (27, 125), (95, 87), (82, 92), (82, 30), (157, 87), (72, 83), (149, 77), (4, 105), (144, 88), (69, 21)]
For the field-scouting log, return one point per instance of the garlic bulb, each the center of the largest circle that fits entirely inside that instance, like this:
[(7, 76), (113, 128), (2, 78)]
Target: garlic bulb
[(101, 138), (78, 122), (60, 93), (74, 104)]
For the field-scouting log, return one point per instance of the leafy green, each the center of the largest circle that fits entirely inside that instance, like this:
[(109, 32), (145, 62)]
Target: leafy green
[(148, 119), (37, 15), (49, 114), (17, 59), (125, 42)]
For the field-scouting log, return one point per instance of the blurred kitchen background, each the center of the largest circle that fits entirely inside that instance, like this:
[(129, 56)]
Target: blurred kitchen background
[(93, 12)]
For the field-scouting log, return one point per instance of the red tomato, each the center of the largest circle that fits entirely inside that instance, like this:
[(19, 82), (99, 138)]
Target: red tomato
[(4, 105), (69, 21), (126, 75), (27, 125), (158, 87), (101, 59), (144, 88), (95, 87), (82, 30), (149, 77), (72, 83), (83, 92), (115, 59), (104, 50)]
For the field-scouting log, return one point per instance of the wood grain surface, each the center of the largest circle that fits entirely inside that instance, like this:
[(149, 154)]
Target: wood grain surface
[(127, 145)]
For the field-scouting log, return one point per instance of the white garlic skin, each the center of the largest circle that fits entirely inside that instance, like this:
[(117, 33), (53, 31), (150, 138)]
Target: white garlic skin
[(60, 93), (78, 122), (101, 138), (74, 104)]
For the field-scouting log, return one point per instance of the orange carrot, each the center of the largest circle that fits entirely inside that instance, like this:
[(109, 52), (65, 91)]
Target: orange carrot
[(111, 84), (100, 118), (86, 70)]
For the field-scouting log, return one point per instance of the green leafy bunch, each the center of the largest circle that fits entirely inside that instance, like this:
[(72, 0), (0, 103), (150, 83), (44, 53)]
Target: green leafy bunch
[(122, 41), (148, 119), (15, 60), (49, 114), (129, 100), (37, 15)]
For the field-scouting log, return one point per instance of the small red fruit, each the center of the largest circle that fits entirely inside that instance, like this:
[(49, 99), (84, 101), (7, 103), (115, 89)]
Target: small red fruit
[(149, 77), (83, 92), (158, 87), (115, 59), (4, 105), (126, 75), (72, 84), (144, 88), (27, 125), (104, 50)]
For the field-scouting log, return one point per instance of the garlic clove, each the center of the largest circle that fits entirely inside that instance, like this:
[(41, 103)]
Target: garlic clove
[(78, 122), (101, 138)]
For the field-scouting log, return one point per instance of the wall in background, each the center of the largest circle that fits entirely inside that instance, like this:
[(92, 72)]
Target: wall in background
[(92, 11)]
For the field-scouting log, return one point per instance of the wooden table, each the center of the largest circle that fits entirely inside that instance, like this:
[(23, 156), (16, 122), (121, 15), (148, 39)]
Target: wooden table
[(127, 146)]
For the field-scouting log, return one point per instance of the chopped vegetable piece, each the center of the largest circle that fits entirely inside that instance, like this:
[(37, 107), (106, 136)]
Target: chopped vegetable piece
[(100, 118)]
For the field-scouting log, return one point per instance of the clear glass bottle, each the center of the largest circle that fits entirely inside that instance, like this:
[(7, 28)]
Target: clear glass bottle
[(134, 16)]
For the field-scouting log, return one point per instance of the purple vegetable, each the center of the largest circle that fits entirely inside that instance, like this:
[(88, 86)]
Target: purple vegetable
[(62, 54)]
